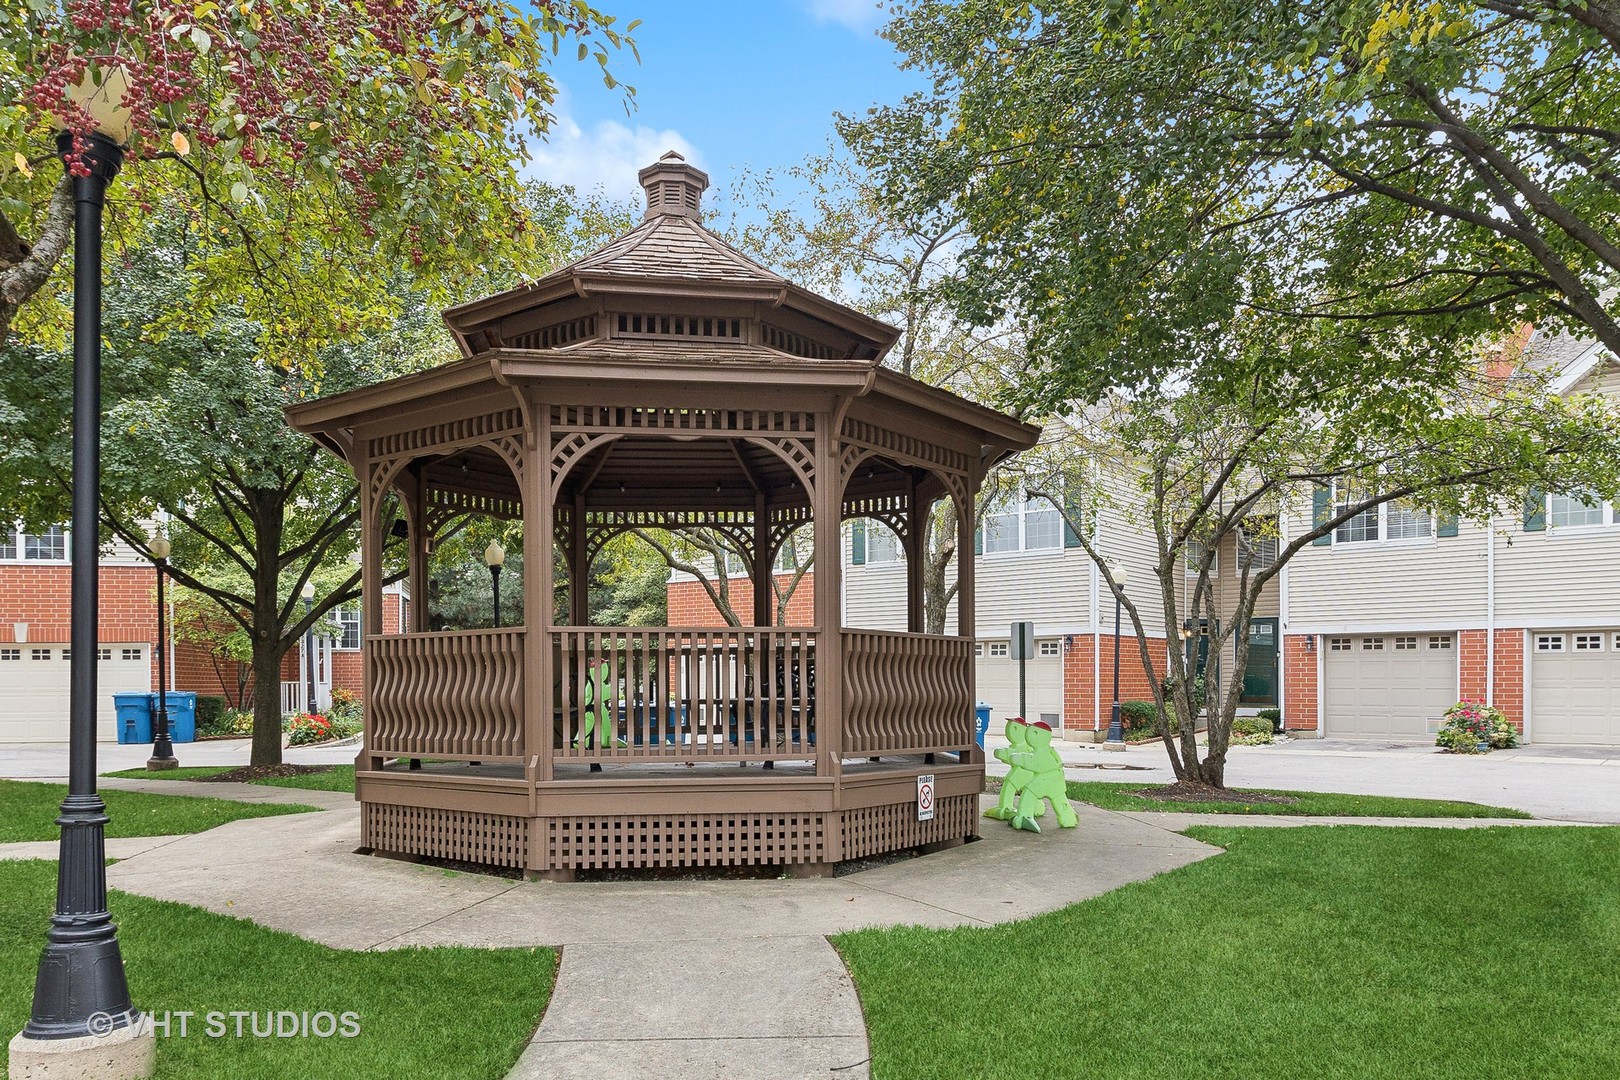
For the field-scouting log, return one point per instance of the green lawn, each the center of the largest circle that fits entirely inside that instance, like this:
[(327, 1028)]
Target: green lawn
[(443, 1012), (338, 778), (1366, 953), (1111, 796), (28, 812)]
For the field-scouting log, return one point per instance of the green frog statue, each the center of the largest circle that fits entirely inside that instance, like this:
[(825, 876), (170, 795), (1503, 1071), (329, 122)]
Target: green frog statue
[(1036, 777)]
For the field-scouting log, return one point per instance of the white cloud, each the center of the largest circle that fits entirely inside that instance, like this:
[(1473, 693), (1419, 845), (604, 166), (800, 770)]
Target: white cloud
[(855, 14), (607, 156)]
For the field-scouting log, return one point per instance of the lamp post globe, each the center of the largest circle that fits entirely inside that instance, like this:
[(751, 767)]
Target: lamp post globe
[(82, 1017), (162, 748), (494, 558), (1116, 726)]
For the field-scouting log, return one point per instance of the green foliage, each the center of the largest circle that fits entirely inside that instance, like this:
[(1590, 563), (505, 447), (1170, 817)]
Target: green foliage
[(1271, 716), (1252, 731), (1472, 727), (1139, 716), (28, 811), (210, 714)]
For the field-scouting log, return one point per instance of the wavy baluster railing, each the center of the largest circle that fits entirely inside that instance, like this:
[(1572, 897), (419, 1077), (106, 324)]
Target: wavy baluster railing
[(456, 694), (906, 692)]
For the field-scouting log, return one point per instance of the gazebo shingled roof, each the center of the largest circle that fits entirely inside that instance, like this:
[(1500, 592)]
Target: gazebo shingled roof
[(664, 380)]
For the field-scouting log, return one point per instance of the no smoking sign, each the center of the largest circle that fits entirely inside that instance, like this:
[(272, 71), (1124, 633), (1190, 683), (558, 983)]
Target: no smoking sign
[(925, 797)]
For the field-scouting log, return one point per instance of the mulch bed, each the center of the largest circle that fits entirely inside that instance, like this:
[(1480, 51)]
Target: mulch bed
[(249, 773), (1186, 792)]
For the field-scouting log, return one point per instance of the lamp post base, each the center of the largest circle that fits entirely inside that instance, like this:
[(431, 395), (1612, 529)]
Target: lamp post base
[(125, 1053), (1114, 745), (158, 764)]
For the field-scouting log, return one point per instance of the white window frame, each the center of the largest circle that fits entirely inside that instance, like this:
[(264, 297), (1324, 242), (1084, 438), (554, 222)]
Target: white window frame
[(1194, 555), (1049, 648), (16, 540), (1606, 515), (882, 545), (1380, 518), (347, 617), (1550, 643), (1012, 527), (1590, 641), (1000, 650)]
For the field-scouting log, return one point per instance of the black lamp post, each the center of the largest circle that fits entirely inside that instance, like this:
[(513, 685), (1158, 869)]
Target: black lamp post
[(81, 989), (308, 594), (1116, 726), (162, 749), (494, 556)]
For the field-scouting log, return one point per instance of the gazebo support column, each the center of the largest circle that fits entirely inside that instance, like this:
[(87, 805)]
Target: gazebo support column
[(764, 559), (916, 547), (964, 588), (826, 501), (420, 542), (371, 551), (579, 570)]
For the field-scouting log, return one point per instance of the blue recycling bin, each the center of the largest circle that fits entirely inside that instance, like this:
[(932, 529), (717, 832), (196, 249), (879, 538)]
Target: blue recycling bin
[(134, 712), (182, 714), (982, 711)]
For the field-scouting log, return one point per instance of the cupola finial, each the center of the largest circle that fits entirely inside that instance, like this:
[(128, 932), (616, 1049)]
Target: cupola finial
[(674, 187)]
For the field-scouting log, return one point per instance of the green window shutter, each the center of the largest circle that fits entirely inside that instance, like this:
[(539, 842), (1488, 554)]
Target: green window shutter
[(1071, 512), (857, 542), (1535, 510), (978, 539), (1446, 526), (1321, 510)]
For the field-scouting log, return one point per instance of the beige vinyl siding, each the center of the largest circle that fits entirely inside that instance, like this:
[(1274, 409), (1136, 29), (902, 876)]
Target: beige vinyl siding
[(1432, 583), (1558, 577), (1603, 379), (875, 597)]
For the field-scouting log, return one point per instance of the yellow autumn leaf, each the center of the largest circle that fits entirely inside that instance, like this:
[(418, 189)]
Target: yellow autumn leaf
[(181, 144), (22, 164)]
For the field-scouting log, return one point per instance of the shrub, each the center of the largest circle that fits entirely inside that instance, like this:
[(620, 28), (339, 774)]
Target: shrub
[(345, 710), (1473, 727), (306, 728), (210, 715), (1272, 717), (1251, 731), (237, 722), (1139, 715)]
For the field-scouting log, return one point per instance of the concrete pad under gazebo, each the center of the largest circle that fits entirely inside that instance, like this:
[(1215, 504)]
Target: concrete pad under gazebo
[(664, 381)]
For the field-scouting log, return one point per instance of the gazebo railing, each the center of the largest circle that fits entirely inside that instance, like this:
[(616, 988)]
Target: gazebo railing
[(456, 694), (706, 693), (906, 693)]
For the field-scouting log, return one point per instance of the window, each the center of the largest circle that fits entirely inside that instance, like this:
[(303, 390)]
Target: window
[(1405, 644), (1405, 523), (1043, 525), (1440, 641), (1001, 528), (48, 546), (1053, 647), (10, 654), (1588, 642), (1364, 526), (1567, 510), (1196, 549), (999, 648), (39, 654), (132, 654), (978, 648), (103, 654), (1258, 543), (1372, 644), (882, 546), (67, 654), (1339, 644), (1617, 643), (1549, 643), (348, 620), (8, 544)]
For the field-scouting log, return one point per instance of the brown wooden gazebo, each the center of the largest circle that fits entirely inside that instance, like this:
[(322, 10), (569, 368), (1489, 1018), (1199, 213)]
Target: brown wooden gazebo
[(664, 381)]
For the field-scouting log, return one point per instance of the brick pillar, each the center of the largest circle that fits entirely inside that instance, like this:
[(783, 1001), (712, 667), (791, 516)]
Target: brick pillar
[(1299, 681), (1079, 716), (1471, 664), (1510, 675)]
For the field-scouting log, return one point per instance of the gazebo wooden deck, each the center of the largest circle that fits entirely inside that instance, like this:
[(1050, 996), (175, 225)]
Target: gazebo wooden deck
[(664, 381)]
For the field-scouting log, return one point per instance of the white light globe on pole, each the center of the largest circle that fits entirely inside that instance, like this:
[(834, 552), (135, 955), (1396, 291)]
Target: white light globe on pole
[(160, 547), (101, 93), (1121, 576), (308, 591), (494, 555)]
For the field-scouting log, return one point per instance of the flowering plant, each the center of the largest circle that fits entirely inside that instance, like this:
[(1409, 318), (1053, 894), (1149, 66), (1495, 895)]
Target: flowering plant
[(305, 728), (1473, 727)]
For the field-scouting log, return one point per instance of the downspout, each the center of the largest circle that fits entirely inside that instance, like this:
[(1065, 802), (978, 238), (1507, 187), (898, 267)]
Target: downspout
[(1490, 611), (1282, 618), (1096, 629)]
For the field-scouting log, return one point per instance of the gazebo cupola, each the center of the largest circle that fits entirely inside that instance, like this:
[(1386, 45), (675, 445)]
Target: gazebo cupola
[(665, 380)]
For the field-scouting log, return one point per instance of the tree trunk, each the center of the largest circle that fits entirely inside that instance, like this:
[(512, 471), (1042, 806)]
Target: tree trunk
[(266, 707)]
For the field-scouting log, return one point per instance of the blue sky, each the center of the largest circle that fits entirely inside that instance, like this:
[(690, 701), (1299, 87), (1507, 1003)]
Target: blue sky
[(730, 84)]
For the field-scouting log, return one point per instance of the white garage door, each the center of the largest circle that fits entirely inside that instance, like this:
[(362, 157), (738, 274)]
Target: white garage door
[(998, 681), (1575, 687), (1388, 686), (34, 689)]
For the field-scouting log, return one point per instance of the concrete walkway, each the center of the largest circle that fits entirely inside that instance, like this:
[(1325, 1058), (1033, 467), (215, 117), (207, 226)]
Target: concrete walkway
[(248, 793), (1179, 822), (117, 848)]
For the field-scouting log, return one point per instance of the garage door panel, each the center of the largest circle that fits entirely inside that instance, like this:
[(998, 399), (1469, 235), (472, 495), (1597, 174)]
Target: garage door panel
[(997, 686), (1388, 686), (1575, 687), (34, 680)]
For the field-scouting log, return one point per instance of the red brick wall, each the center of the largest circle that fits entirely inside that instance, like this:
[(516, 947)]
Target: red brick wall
[(1086, 710), (1510, 675), (1300, 700), (1471, 664), (40, 597), (689, 603)]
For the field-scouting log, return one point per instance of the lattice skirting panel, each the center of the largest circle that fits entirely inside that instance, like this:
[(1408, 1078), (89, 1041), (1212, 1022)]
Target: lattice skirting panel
[(873, 830), (580, 843), (491, 839)]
